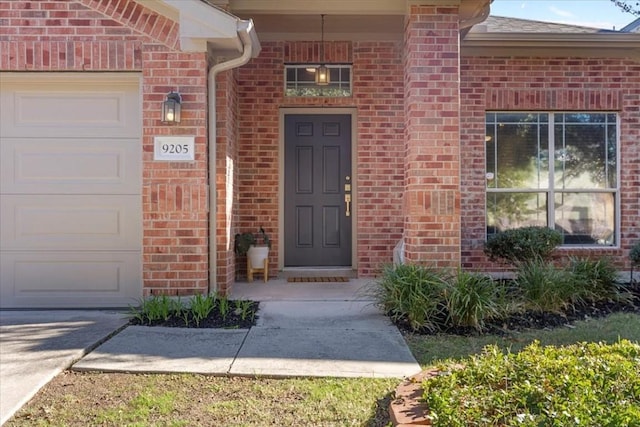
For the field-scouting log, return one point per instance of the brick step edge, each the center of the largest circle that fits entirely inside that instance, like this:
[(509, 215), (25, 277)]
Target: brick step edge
[(407, 408)]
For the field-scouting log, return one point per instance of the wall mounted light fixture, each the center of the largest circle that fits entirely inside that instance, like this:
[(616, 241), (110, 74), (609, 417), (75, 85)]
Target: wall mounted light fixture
[(171, 108), (322, 72)]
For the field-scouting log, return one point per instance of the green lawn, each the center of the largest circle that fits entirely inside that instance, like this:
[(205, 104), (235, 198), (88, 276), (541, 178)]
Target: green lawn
[(88, 399), (430, 349)]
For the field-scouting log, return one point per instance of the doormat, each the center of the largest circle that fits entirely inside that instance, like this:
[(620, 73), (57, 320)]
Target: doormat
[(317, 279)]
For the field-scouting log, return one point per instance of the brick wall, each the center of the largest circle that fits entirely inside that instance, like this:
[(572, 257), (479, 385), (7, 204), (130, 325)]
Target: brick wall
[(378, 97), (121, 35), (432, 159), (226, 176), (545, 84)]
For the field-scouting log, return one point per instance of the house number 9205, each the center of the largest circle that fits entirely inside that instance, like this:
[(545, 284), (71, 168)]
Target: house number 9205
[(174, 148)]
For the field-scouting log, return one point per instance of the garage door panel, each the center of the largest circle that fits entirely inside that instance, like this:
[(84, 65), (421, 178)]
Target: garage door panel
[(75, 106), (69, 279), (55, 165), (70, 222), (70, 189)]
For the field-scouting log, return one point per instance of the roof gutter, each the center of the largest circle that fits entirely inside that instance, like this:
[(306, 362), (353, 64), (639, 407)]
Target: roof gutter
[(472, 13), (250, 49)]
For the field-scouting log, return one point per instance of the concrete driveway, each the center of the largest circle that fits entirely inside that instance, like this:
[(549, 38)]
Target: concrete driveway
[(35, 346)]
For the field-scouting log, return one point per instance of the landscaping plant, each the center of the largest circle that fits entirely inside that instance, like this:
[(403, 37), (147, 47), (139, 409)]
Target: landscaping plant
[(595, 280), (223, 307), (201, 306), (412, 294), (545, 287), (201, 311), (243, 309), (156, 308), (634, 256), (471, 299), (522, 244), (585, 384)]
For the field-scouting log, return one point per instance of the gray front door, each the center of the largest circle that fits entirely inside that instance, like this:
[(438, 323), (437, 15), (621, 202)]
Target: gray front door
[(317, 179)]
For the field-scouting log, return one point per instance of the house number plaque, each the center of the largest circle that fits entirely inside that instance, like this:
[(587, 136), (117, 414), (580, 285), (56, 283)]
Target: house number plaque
[(174, 148)]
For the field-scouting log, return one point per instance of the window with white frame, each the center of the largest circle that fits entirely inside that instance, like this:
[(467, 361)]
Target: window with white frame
[(575, 191), (300, 80)]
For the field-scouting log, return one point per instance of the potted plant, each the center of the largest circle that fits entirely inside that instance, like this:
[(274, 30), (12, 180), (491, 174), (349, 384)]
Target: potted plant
[(256, 246)]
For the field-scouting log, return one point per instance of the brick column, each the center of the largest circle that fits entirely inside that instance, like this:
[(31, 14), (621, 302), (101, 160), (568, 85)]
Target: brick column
[(226, 179), (432, 135)]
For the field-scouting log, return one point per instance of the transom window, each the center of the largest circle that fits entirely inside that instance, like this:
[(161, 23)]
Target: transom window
[(576, 192), (300, 80)]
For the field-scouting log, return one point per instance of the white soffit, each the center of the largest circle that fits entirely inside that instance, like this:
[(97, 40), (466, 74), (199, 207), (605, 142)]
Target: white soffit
[(330, 7), (200, 24)]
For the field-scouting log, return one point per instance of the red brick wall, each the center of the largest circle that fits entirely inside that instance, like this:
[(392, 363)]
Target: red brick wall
[(121, 35), (378, 97), (545, 84), (432, 114), (226, 176)]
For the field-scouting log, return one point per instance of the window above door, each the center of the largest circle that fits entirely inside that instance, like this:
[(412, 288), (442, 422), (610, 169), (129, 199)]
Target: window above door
[(300, 81)]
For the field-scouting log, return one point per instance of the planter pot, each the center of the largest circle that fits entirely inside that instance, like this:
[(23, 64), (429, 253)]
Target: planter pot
[(257, 255), (257, 261)]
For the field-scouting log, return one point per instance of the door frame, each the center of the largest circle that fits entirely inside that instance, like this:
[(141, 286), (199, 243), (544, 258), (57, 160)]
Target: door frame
[(353, 112)]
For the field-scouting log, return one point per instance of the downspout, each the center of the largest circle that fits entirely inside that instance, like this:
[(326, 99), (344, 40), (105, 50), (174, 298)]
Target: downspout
[(245, 33), (474, 17)]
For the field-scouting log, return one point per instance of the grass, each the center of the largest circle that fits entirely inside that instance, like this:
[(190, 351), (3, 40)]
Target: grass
[(429, 350), (79, 399)]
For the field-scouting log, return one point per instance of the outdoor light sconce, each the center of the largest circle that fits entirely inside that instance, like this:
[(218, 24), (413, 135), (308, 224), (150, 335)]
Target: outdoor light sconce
[(171, 108), (322, 72)]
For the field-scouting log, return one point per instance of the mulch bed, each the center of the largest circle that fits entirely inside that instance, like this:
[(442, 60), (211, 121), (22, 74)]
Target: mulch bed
[(541, 320), (233, 319)]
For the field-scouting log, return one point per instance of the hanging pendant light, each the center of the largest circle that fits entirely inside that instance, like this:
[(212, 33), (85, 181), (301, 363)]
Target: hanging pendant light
[(322, 72)]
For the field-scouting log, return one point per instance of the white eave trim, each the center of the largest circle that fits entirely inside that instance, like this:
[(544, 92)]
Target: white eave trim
[(623, 44), (203, 26), (564, 39), (201, 23)]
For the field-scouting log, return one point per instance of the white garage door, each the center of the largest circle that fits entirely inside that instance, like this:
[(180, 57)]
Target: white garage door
[(70, 203)]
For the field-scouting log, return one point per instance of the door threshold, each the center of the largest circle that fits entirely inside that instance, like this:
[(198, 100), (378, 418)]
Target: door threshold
[(318, 272)]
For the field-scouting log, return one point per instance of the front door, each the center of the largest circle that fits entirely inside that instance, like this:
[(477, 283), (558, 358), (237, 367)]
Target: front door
[(317, 184)]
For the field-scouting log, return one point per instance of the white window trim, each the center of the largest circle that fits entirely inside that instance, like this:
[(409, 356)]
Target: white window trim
[(551, 191)]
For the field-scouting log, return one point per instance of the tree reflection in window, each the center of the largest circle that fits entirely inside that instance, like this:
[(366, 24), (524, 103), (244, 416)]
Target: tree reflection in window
[(576, 192)]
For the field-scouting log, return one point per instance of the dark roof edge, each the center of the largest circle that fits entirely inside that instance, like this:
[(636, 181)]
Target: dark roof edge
[(632, 27)]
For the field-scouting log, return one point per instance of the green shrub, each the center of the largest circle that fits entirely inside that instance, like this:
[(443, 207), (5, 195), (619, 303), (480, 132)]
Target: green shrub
[(578, 385), (634, 254), (201, 306), (164, 310), (155, 309), (545, 287), (471, 299), (593, 280), (413, 294), (522, 244)]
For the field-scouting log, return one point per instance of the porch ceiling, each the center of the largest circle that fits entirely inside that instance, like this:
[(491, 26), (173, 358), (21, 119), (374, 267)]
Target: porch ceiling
[(337, 27), (345, 19)]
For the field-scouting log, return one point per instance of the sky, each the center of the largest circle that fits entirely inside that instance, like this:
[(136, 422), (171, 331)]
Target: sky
[(588, 13)]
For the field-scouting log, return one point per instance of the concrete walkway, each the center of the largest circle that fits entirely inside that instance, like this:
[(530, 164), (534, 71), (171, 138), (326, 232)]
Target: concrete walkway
[(304, 329), (35, 346)]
